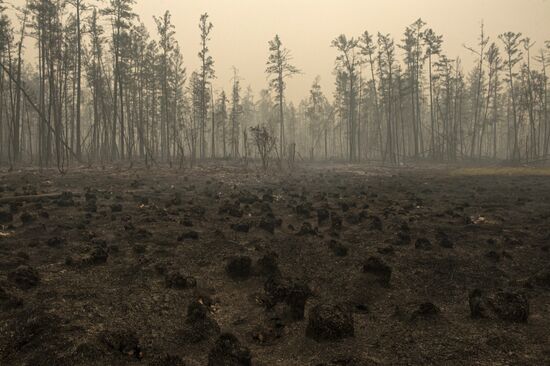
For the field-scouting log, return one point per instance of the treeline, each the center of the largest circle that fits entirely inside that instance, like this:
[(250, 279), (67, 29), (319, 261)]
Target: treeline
[(411, 100), (104, 89)]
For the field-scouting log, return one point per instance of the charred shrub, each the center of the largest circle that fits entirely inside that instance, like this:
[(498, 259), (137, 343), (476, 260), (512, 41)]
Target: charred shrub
[(239, 268), (176, 280), (330, 323), (378, 268), (228, 351), (122, 342), (291, 292), (199, 326), (24, 277)]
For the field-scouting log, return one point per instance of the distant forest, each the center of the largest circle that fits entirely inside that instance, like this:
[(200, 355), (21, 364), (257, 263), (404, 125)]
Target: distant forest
[(105, 89)]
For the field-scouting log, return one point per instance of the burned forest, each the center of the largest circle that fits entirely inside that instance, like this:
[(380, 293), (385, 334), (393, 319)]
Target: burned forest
[(354, 183)]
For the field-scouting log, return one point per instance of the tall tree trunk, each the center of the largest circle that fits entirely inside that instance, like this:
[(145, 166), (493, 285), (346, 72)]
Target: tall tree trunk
[(17, 116), (78, 79), (213, 143), (115, 97), (432, 118), (515, 147)]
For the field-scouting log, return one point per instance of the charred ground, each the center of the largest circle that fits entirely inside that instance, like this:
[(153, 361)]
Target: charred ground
[(332, 266)]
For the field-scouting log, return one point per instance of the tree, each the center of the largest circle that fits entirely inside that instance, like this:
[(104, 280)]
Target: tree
[(222, 120), (5, 40), (368, 49), (5, 27), (80, 7), (166, 32), (317, 115), (206, 73), (236, 111), (495, 66), (121, 14), (341, 107), (349, 60), (48, 29), (279, 67), (95, 80), (483, 41), (16, 125), (433, 48), (265, 142), (527, 45), (414, 60), (178, 79), (514, 55), (386, 60), (195, 91), (543, 60)]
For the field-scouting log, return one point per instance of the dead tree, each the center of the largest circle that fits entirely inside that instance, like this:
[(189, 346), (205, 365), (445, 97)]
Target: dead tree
[(265, 143)]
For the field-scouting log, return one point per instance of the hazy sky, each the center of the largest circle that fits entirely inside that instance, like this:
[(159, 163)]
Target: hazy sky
[(242, 29)]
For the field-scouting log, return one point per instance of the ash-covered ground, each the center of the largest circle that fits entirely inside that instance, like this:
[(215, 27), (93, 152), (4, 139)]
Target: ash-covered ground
[(340, 265)]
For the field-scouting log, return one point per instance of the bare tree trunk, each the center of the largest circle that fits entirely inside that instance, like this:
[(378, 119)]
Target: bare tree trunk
[(2, 143), (432, 118), (78, 79), (115, 98), (213, 143), (17, 116), (515, 148), (545, 110)]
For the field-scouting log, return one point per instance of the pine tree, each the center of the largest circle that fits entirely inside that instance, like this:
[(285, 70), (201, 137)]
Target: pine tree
[(433, 44), (236, 111), (206, 73), (279, 68), (166, 32), (121, 14), (350, 60), (514, 55)]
